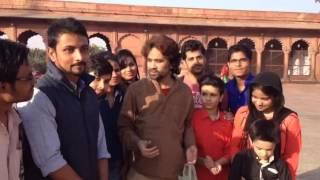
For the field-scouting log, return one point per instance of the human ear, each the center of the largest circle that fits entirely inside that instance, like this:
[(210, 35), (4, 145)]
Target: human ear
[(52, 54)]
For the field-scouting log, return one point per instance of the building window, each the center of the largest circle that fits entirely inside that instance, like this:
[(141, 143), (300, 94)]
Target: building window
[(217, 55), (299, 62), (273, 57)]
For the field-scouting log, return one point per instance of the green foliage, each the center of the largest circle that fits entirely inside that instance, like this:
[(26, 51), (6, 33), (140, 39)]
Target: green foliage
[(37, 59), (95, 49)]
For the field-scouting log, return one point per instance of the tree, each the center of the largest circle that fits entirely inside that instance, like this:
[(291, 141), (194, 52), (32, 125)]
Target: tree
[(93, 49), (37, 59)]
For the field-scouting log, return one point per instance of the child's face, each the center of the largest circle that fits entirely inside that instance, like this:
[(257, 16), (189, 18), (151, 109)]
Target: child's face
[(263, 149), (100, 84), (210, 96), (261, 101)]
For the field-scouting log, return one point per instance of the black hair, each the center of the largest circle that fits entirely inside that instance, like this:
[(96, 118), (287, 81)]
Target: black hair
[(12, 56), (192, 45), (64, 25), (240, 48), (264, 130), (122, 56), (99, 64), (167, 46), (270, 85), (212, 80)]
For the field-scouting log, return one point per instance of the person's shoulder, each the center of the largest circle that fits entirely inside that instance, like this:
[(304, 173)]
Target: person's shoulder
[(243, 109), (139, 84), (280, 164), (183, 87), (199, 113), (291, 118), (225, 122), (244, 155)]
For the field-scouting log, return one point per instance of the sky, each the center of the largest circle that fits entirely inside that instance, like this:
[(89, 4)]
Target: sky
[(260, 5)]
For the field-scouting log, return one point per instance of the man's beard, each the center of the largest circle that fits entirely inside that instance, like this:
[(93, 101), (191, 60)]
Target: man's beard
[(158, 77), (195, 69), (82, 65)]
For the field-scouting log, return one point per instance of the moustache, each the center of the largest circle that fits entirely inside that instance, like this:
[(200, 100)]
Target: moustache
[(79, 64), (197, 66)]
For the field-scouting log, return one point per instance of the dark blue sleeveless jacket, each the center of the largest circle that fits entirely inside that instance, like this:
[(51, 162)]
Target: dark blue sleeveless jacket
[(77, 118)]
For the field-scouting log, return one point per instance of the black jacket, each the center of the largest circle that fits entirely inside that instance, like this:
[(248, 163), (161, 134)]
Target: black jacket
[(77, 117), (246, 166)]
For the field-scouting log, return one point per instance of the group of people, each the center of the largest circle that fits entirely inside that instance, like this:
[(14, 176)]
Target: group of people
[(94, 118)]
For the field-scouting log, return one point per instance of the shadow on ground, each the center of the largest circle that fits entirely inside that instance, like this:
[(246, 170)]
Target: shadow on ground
[(310, 175)]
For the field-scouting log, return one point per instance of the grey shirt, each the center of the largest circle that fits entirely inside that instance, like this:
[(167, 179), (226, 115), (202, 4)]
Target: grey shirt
[(40, 126)]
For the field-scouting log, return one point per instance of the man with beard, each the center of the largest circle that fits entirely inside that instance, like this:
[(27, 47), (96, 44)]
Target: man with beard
[(155, 119), (193, 55), (62, 123), (16, 85), (237, 89)]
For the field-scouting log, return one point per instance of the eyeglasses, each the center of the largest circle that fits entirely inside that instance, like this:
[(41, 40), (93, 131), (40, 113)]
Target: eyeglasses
[(237, 61)]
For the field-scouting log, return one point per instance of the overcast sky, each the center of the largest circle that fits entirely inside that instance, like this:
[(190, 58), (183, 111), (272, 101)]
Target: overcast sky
[(263, 5)]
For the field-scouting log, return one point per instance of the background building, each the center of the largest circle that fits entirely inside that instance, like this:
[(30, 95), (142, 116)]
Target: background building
[(282, 42)]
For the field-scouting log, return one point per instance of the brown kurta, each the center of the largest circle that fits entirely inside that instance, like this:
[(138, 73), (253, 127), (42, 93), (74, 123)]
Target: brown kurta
[(165, 120)]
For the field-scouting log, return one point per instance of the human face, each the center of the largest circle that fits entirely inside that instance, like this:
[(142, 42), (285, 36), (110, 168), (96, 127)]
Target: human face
[(158, 66), (100, 84), (195, 62), (70, 55), (263, 149), (22, 89), (239, 64), (116, 75), (129, 73), (210, 97), (261, 101)]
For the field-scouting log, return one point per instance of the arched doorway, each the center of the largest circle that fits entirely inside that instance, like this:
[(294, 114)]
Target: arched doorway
[(99, 42), (37, 55), (299, 61), (251, 45), (217, 55), (273, 57)]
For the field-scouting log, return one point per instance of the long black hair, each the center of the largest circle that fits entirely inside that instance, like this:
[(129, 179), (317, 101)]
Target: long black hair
[(122, 56), (270, 84)]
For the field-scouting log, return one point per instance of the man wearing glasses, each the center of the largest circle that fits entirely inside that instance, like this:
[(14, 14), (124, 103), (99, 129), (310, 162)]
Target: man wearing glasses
[(239, 61), (16, 85)]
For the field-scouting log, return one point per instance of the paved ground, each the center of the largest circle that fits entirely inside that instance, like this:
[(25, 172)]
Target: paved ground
[(305, 99)]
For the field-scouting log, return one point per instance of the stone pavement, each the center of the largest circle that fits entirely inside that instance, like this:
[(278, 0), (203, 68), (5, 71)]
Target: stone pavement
[(305, 100)]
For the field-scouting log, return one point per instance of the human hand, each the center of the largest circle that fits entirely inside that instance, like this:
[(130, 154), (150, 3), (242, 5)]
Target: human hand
[(208, 162), (216, 168), (147, 150), (191, 154)]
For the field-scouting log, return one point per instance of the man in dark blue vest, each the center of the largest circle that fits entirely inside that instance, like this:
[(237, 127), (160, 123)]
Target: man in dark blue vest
[(62, 123)]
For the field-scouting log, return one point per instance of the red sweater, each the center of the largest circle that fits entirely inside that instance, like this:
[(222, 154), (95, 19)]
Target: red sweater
[(290, 138), (212, 139)]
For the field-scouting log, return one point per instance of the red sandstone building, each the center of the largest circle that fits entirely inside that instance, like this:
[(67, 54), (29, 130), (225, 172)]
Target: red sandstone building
[(286, 43)]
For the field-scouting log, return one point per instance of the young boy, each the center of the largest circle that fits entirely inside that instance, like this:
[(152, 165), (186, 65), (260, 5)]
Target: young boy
[(262, 161), (212, 131), (101, 70)]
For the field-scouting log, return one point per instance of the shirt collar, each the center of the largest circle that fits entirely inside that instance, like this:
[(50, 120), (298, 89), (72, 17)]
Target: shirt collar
[(248, 80), (58, 75)]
